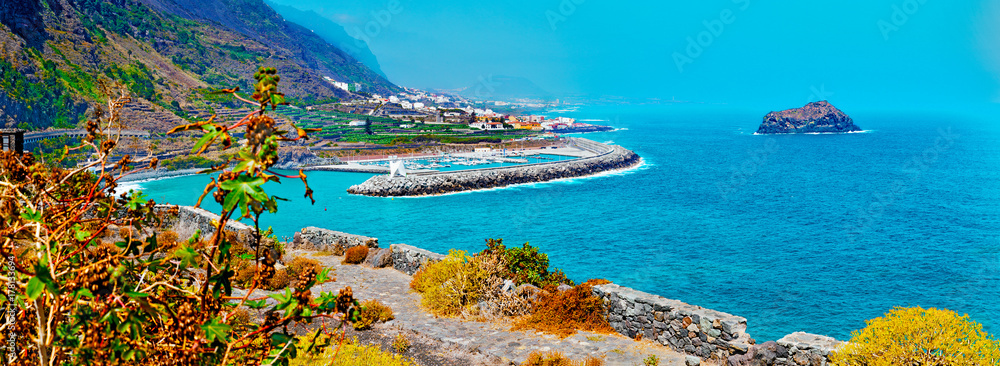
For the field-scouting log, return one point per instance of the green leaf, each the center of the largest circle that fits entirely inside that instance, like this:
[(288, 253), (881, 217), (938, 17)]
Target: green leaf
[(282, 297), (82, 235), (211, 134), (215, 330), (243, 189), (187, 256), (323, 275), (278, 340), (271, 205), (259, 304), (35, 287), (84, 293), (135, 294), (137, 200), (31, 215), (277, 99)]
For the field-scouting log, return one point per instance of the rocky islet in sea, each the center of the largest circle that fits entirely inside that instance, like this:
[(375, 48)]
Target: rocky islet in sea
[(816, 117)]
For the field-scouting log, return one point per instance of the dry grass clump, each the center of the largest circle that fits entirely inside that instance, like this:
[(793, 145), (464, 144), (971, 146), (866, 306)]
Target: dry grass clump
[(240, 319), (372, 312), (401, 343), (450, 286), (500, 303), (244, 264), (351, 353), (300, 265), (356, 255), (536, 358), (278, 281), (474, 286), (168, 240), (564, 312)]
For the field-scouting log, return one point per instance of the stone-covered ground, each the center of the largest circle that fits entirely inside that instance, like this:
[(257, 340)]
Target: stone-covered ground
[(451, 341)]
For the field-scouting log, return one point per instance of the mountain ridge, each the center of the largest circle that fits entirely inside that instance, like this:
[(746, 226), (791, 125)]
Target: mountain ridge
[(53, 54)]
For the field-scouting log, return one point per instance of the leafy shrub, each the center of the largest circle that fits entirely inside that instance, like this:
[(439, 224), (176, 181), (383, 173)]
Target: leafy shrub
[(449, 286), (536, 358), (526, 264), (372, 312), (355, 255), (496, 301), (131, 302), (564, 312), (917, 336)]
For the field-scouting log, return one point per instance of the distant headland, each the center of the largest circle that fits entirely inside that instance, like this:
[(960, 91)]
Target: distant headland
[(816, 117)]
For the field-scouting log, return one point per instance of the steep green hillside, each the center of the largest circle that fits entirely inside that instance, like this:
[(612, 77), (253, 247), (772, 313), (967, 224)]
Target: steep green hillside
[(53, 54)]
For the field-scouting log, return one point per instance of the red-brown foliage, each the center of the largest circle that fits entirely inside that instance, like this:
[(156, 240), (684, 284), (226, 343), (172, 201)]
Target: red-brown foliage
[(355, 255)]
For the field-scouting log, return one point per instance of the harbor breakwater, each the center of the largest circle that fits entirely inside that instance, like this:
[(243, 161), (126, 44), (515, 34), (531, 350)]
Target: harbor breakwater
[(607, 158)]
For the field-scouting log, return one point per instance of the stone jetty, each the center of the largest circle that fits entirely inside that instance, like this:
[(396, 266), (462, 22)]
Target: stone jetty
[(607, 158)]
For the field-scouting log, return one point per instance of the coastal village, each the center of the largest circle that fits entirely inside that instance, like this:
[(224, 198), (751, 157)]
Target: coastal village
[(361, 127)]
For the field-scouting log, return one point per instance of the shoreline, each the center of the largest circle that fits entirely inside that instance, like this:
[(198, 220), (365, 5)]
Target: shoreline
[(157, 174)]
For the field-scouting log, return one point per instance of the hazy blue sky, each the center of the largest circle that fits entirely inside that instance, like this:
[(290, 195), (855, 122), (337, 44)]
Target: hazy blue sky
[(751, 52)]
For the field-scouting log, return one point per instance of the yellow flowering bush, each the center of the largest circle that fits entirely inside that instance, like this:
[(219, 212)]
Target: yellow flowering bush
[(917, 336)]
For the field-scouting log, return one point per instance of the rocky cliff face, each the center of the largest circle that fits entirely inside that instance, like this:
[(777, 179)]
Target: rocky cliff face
[(816, 117)]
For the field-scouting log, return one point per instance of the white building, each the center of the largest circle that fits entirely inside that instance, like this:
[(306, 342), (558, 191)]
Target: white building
[(418, 105), (393, 99), (487, 125), (356, 123), (338, 84), (406, 105)]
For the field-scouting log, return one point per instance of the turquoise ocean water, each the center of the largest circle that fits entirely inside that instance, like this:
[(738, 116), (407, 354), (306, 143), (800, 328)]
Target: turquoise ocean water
[(810, 233)]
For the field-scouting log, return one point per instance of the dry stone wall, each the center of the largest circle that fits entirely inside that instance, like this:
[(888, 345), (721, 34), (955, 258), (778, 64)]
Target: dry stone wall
[(687, 328), (409, 259), (188, 220), (319, 239)]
